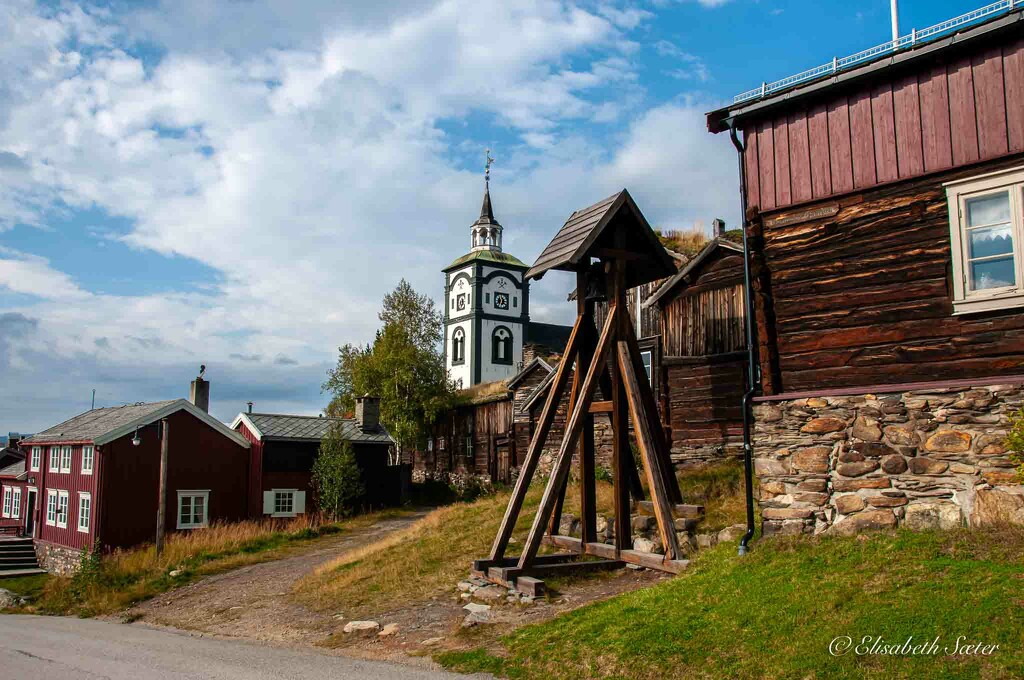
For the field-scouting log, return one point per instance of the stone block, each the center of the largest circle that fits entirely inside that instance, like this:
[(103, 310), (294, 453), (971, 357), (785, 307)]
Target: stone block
[(886, 501), (873, 449), (787, 513), (823, 425), (813, 459), (849, 504), (962, 469), (927, 466), (894, 464), (904, 434), (812, 485), (866, 429), (857, 484), (994, 506), (811, 498), (851, 457), (862, 521), (948, 441), (857, 469), (772, 488), (931, 515), (769, 467)]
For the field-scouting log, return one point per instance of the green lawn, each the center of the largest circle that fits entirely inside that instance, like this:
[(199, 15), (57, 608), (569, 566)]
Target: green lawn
[(773, 614)]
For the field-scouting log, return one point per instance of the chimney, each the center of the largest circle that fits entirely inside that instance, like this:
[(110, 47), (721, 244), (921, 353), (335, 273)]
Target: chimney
[(368, 412), (249, 404), (13, 439), (718, 227), (199, 392)]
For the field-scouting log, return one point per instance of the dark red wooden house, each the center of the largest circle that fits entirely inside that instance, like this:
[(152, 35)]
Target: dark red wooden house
[(93, 481), (885, 216), (284, 448)]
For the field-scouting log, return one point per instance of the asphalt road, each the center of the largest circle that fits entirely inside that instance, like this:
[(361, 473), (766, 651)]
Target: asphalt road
[(42, 647)]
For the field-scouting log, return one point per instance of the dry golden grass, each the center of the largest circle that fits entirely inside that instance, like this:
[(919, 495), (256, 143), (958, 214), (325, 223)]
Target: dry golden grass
[(687, 242), (427, 557), (115, 581)]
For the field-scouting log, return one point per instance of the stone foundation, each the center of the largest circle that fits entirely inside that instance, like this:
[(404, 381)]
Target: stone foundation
[(925, 460), (57, 559)]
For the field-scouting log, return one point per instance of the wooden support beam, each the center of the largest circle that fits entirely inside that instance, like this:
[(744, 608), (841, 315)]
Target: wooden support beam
[(642, 559), (623, 466), (515, 503), (587, 454), (601, 407), (510, 574), (645, 440), (664, 455), (574, 427)]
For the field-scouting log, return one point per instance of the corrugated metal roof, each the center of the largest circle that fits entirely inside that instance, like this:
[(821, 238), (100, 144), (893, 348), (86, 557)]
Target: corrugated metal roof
[(312, 428), (95, 423)]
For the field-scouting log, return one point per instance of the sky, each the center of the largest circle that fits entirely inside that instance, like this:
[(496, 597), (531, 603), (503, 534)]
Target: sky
[(238, 184)]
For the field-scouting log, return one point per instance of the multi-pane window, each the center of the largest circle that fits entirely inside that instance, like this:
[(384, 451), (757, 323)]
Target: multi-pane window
[(458, 346), (16, 503), (62, 509), (7, 501), (54, 465), (192, 509), (88, 455), (51, 507), (647, 357), (987, 234), (65, 459), (84, 510), (284, 502), (36, 459)]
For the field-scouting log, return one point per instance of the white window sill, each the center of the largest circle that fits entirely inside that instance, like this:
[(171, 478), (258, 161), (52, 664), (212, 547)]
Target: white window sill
[(86, 472), (1010, 300), (62, 526), (83, 531), (189, 527), (284, 514)]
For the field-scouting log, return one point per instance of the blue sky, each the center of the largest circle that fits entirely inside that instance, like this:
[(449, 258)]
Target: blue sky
[(239, 183)]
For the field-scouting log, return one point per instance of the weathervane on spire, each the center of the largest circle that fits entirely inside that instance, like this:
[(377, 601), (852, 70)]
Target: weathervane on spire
[(487, 167)]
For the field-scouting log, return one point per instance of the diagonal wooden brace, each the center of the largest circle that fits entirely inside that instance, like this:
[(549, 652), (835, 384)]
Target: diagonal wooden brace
[(563, 461)]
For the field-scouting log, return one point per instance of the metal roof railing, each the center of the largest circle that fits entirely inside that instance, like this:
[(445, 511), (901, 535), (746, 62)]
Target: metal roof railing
[(915, 37)]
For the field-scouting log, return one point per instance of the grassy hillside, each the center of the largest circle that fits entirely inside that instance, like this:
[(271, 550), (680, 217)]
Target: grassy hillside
[(773, 614)]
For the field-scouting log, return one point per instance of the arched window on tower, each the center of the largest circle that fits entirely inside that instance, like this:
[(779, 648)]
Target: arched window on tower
[(458, 346), (501, 346)]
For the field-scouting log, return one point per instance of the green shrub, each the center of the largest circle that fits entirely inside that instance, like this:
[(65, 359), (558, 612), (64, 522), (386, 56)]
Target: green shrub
[(336, 477)]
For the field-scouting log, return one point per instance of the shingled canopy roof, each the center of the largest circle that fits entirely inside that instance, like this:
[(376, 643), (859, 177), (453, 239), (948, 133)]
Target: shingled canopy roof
[(308, 428), (588, 232)]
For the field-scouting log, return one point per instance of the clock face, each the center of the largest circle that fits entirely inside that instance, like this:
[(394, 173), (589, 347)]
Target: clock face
[(460, 302), (501, 300)]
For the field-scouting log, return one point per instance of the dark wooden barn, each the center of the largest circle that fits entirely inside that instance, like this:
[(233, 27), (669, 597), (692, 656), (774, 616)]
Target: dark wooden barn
[(704, 363)]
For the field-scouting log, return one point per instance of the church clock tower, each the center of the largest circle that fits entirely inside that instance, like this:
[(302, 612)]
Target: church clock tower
[(487, 304)]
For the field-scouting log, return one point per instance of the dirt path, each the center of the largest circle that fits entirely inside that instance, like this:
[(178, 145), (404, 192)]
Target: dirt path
[(253, 602)]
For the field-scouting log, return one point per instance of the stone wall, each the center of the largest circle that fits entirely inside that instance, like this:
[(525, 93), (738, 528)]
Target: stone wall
[(58, 559), (921, 459)]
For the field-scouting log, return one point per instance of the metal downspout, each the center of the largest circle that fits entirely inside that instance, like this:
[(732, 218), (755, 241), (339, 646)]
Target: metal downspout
[(748, 452)]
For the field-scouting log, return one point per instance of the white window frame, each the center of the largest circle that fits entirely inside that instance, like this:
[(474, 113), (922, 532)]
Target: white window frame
[(290, 492), (8, 498), (647, 359), (1011, 181), (66, 457), (53, 462), (87, 515), (91, 450), (63, 508), (193, 493), (36, 459), (16, 502), (51, 507)]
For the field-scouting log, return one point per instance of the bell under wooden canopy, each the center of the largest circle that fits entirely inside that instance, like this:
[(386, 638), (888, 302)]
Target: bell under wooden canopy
[(612, 228)]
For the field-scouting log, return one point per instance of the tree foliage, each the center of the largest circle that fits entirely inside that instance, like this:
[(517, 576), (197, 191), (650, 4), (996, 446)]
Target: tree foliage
[(336, 478), (404, 366)]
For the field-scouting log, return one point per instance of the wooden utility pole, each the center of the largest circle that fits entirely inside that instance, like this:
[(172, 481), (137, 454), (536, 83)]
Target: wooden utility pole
[(165, 431)]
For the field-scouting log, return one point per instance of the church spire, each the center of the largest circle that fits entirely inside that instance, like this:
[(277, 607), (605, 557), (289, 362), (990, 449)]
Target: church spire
[(486, 232)]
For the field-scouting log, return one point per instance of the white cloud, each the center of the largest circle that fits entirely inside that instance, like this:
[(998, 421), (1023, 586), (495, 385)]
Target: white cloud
[(311, 167)]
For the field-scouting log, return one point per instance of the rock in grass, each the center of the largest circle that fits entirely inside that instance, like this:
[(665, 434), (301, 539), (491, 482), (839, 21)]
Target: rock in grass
[(9, 599), (475, 608), (361, 627), (388, 630), (492, 593), (432, 641)]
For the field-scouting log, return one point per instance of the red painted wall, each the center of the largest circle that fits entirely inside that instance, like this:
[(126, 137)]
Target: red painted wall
[(200, 457), (72, 482), (9, 524), (945, 116), (256, 471)]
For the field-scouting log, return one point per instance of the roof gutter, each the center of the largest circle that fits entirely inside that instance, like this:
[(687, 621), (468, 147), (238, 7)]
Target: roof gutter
[(748, 298)]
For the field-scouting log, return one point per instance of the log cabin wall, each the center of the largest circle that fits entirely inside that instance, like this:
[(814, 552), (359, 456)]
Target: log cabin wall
[(704, 365), (865, 297), (964, 108)]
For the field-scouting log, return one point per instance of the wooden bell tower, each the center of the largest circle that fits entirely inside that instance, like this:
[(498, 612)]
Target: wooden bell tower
[(612, 248)]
